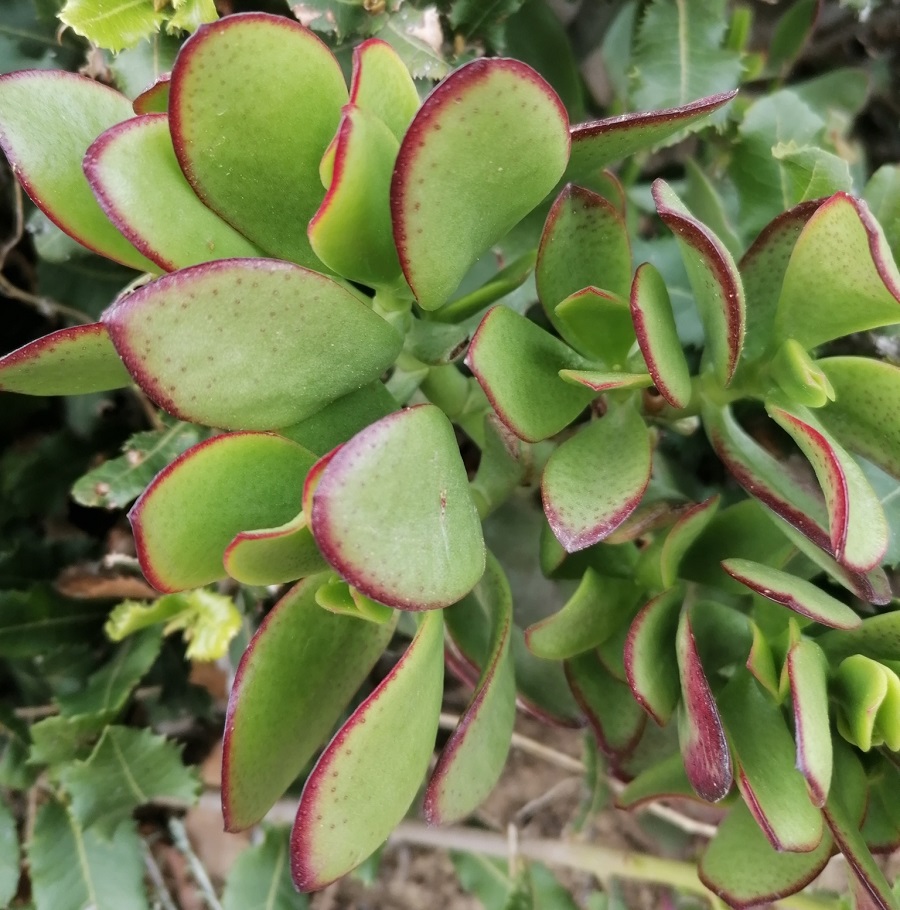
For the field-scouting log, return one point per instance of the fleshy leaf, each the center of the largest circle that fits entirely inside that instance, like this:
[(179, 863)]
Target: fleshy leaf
[(249, 343), (596, 479), (598, 381), (796, 594), (474, 756), (865, 413), (773, 790), (877, 637), (134, 175), (321, 660), (382, 86), (190, 513), (599, 324), (351, 231), (393, 514), (484, 149), (858, 528), (47, 122), (869, 695), (271, 556), (614, 717), (650, 660), (716, 283), (654, 325), (689, 526), (366, 780), (267, 188), (841, 277), (517, 364), (762, 874), (75, 361), (665, 778), (155, 98), (703, 746), (584, 245), (807, 670), (761, 663), (601, 142), (263, 869)]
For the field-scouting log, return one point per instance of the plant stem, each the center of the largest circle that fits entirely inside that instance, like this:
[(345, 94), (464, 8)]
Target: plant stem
[(604, 863), (179, 836)]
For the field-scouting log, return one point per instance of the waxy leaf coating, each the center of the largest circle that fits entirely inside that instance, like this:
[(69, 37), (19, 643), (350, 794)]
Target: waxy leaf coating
[(134, 175), (257, 164), (73, 361), (599, 323), (155, 98), (190, 513), (807, 669), (596, 479), (683, 534), (292, 685), (484, 149), (249, 343), (365, 781), (393, 514), (382, 86), (47, 122)]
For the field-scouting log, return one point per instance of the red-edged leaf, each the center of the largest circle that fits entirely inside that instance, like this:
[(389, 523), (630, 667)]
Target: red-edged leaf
[(598, 381), (73, 361), (598, 323), (155, 98), (365, 781), (381, 84), (664, 779), (689, 526), (296, 650)]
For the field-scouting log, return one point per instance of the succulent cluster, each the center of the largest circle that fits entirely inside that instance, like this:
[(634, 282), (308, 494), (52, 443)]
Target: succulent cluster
[(319, 291)]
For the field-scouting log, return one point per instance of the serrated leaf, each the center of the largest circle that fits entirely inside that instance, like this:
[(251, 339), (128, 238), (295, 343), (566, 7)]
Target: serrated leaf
[(73, 869), (113, 24), (260, 879), (57, 741), (128, 768), (679, 54), (121, 480), (406, 32)]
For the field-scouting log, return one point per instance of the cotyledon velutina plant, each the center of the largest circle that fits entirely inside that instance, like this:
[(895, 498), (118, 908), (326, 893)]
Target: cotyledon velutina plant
[(306, 244)]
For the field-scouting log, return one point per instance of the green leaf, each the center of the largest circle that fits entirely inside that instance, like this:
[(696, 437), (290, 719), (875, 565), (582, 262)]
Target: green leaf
[(189, 15), (121, 480), (9, 856), (293, 654), (791, 34), (128, 768), (367, 778), (475, 754), (404, 31), (107, 690), (485, 148), (813, 171), (807, 670), (74, 361), (869, 695), (73, 869), (191, 512), (599, 323), (664, 778), (689, 526), (679, 55), (482, 19), (340, 18), (260, 879), (596, 479), (382, 86), (393, 514), (882, 193), (113, 24), (135, 176), (268, 188), (47, 122), (249, 343), (57, 741)]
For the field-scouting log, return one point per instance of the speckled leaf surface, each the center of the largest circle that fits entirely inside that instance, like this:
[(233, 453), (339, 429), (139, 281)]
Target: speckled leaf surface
[(193, 509), (601, 142), (807, 670), (584, 244), (382, 86), (865, 413), (654, 326), (744, 869), (484, 149), (366, 780), (682, 536), (715, 281), (596, 479), (272, 556), (473, 757), (841, 277), (707, 760), (857, 524), (651, 665), (393, 514), (599, 324), (249, 343), (134, 175), (774, 791), (287, 697), (796, 594), (517, 363), (155, 98), (351, 231), (47, 122), (268, 187), (73, 361)]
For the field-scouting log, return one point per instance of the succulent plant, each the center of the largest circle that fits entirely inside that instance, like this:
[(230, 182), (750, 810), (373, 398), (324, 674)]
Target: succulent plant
[(321, 290)]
